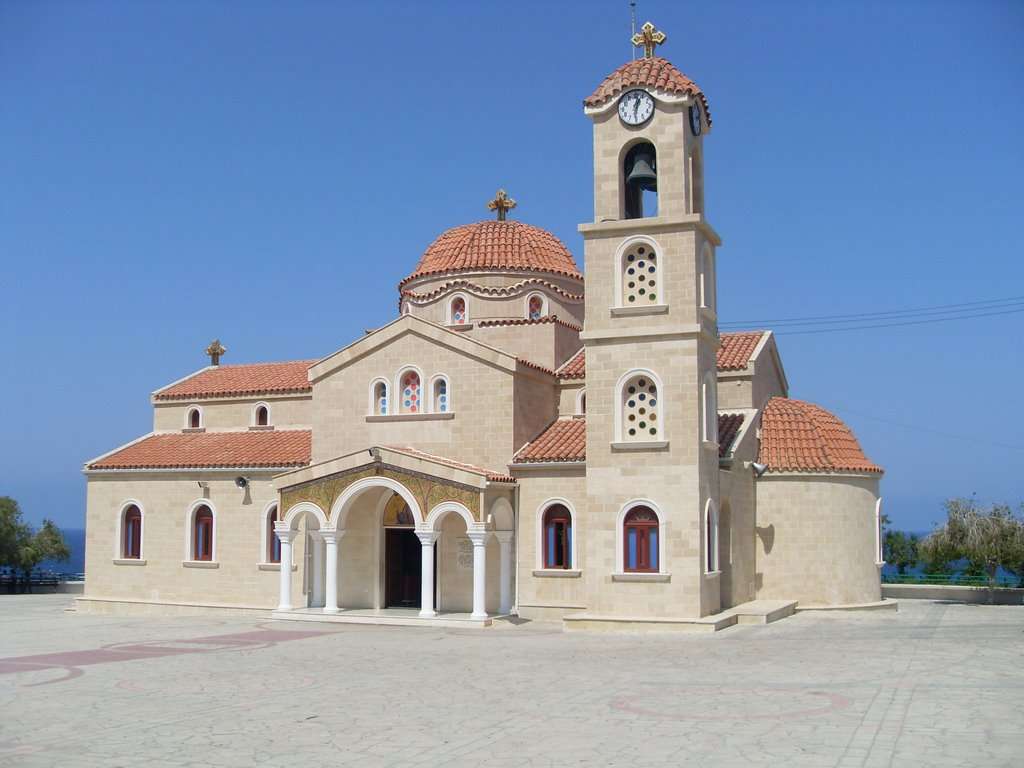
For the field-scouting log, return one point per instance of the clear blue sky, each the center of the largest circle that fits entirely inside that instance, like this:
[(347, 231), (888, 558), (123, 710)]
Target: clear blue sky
[(267, 172)]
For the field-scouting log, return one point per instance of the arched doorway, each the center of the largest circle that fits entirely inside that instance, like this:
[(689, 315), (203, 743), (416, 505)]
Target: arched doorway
[(403, 556)]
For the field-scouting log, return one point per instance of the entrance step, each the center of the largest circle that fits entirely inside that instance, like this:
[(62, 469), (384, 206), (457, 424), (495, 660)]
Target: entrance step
[(396, 617), (760, 611)]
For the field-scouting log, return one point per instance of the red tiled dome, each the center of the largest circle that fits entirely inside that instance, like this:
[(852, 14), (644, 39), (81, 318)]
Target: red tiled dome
[(797, 436), (655, 73), (496, 245)]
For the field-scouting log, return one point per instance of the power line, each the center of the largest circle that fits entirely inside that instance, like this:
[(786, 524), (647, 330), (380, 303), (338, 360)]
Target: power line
[(934, 309), (895, 325), (920, 428)]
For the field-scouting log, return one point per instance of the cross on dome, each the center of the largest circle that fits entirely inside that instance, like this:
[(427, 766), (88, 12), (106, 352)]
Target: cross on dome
[(650, 38), (501, 203), (215, 350)]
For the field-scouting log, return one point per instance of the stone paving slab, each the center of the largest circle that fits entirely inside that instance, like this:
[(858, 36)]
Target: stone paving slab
[(933, 685)]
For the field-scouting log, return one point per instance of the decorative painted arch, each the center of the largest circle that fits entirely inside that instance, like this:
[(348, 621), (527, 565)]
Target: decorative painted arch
[(343, 504)]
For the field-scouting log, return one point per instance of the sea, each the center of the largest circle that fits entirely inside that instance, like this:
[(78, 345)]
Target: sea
[(75, 538)]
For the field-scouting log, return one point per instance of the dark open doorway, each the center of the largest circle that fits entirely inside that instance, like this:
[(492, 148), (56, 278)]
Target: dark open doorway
[(403, 556)]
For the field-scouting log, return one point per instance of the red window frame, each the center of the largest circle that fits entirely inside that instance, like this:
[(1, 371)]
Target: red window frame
[(131, 534), (273, 543), (557, 537), (644, 522), (202, 534)]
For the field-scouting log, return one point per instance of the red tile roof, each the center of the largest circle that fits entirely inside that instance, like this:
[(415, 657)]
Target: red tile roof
[(735, 349), (528, 321), (728, 428), (655, 73), (562, 440), (802, 437), (491, 475), (574, 367), (177, 450), (241, 380), (491, 245)]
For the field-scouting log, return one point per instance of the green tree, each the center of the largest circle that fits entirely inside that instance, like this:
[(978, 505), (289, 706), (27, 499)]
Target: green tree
[(23, 549), (900, 549), (13, 532), (989, 539)]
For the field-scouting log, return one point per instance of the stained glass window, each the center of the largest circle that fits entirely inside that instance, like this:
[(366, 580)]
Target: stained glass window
[(640, 410), (380, 398), (441, 396), (640, 541), (640, 277), (536, 307), (458, 310), (412, 394)]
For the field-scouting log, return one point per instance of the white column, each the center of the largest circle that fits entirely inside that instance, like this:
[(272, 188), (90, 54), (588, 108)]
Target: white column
[(332, 570), (505, 542), (317, 590), (479, 539), (286, 535), (427, 539)]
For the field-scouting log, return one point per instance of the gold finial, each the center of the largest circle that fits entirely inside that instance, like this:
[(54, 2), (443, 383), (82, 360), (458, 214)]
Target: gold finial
[(215, 350), (650, 38), (501, 203)]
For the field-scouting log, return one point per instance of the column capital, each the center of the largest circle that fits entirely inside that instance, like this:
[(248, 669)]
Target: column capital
[(478, 537), (284, 532), (331, 537), (427, 537), (505, 537)]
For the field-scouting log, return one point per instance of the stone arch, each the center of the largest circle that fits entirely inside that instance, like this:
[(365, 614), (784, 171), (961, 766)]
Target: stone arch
[(291, 518), (343, 504), (503, 515), (443, 509)]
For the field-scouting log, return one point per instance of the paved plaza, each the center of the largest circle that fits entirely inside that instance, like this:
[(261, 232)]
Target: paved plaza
[(933, 685)]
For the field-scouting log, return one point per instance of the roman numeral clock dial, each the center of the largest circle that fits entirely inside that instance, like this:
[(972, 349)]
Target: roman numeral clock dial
[(636, 107)]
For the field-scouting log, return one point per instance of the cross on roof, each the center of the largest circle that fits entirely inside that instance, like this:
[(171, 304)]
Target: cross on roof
[(215, 350), (501, 203), (650, 38)]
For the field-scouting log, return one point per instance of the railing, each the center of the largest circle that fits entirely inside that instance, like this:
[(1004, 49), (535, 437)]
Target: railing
[(948, 579)]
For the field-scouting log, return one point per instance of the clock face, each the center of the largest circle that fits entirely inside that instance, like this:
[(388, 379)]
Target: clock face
[(636, 107), (695, 124)]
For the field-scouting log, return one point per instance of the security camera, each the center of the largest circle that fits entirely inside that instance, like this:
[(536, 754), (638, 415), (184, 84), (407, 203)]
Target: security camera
[(759, 469), (241, 482)]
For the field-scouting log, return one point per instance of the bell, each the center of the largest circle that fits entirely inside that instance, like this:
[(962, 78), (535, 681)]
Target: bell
[(642, 174)]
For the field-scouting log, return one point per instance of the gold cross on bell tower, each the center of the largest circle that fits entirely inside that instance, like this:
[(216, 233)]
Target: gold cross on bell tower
[(650, 38), (501, 203)]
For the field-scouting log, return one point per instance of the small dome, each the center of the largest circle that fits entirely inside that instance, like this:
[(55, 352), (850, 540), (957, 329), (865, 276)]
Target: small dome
[(655, 73), (496, 245), (797, 436)]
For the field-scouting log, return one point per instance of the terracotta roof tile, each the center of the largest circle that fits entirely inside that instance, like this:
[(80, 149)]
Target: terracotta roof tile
[(574, 367), (728, 428), (735, 349), (802, 437), (562, 440), (655, 73), (496, 245), (239, 380), (528, 321), (176, 450), (535, 366), (490, 474)]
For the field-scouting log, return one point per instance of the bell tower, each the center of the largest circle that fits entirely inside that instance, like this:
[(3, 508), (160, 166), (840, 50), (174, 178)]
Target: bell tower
[(651, 336)]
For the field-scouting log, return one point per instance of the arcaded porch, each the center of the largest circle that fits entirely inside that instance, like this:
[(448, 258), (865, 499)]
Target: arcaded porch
[(384, 542)]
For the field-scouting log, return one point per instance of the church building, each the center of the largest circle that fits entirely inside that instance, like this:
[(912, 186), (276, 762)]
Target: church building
[(523, 439)]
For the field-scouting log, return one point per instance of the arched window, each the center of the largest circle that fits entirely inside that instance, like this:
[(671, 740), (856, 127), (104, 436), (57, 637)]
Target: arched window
[(640, 283), (194, 417), (457, 311), (411, 395), (441, 397), (379, 398), (273, 549), (261, 415), (640, 541), (640, 178), (707, 278), (709, 401), (202, 533), (581, 403), (557, 535), (640, 420), (131, 533), (536, 306), (711, 537)]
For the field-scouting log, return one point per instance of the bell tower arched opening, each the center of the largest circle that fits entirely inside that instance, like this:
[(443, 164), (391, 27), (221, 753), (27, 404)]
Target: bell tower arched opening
[(640, 181)]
